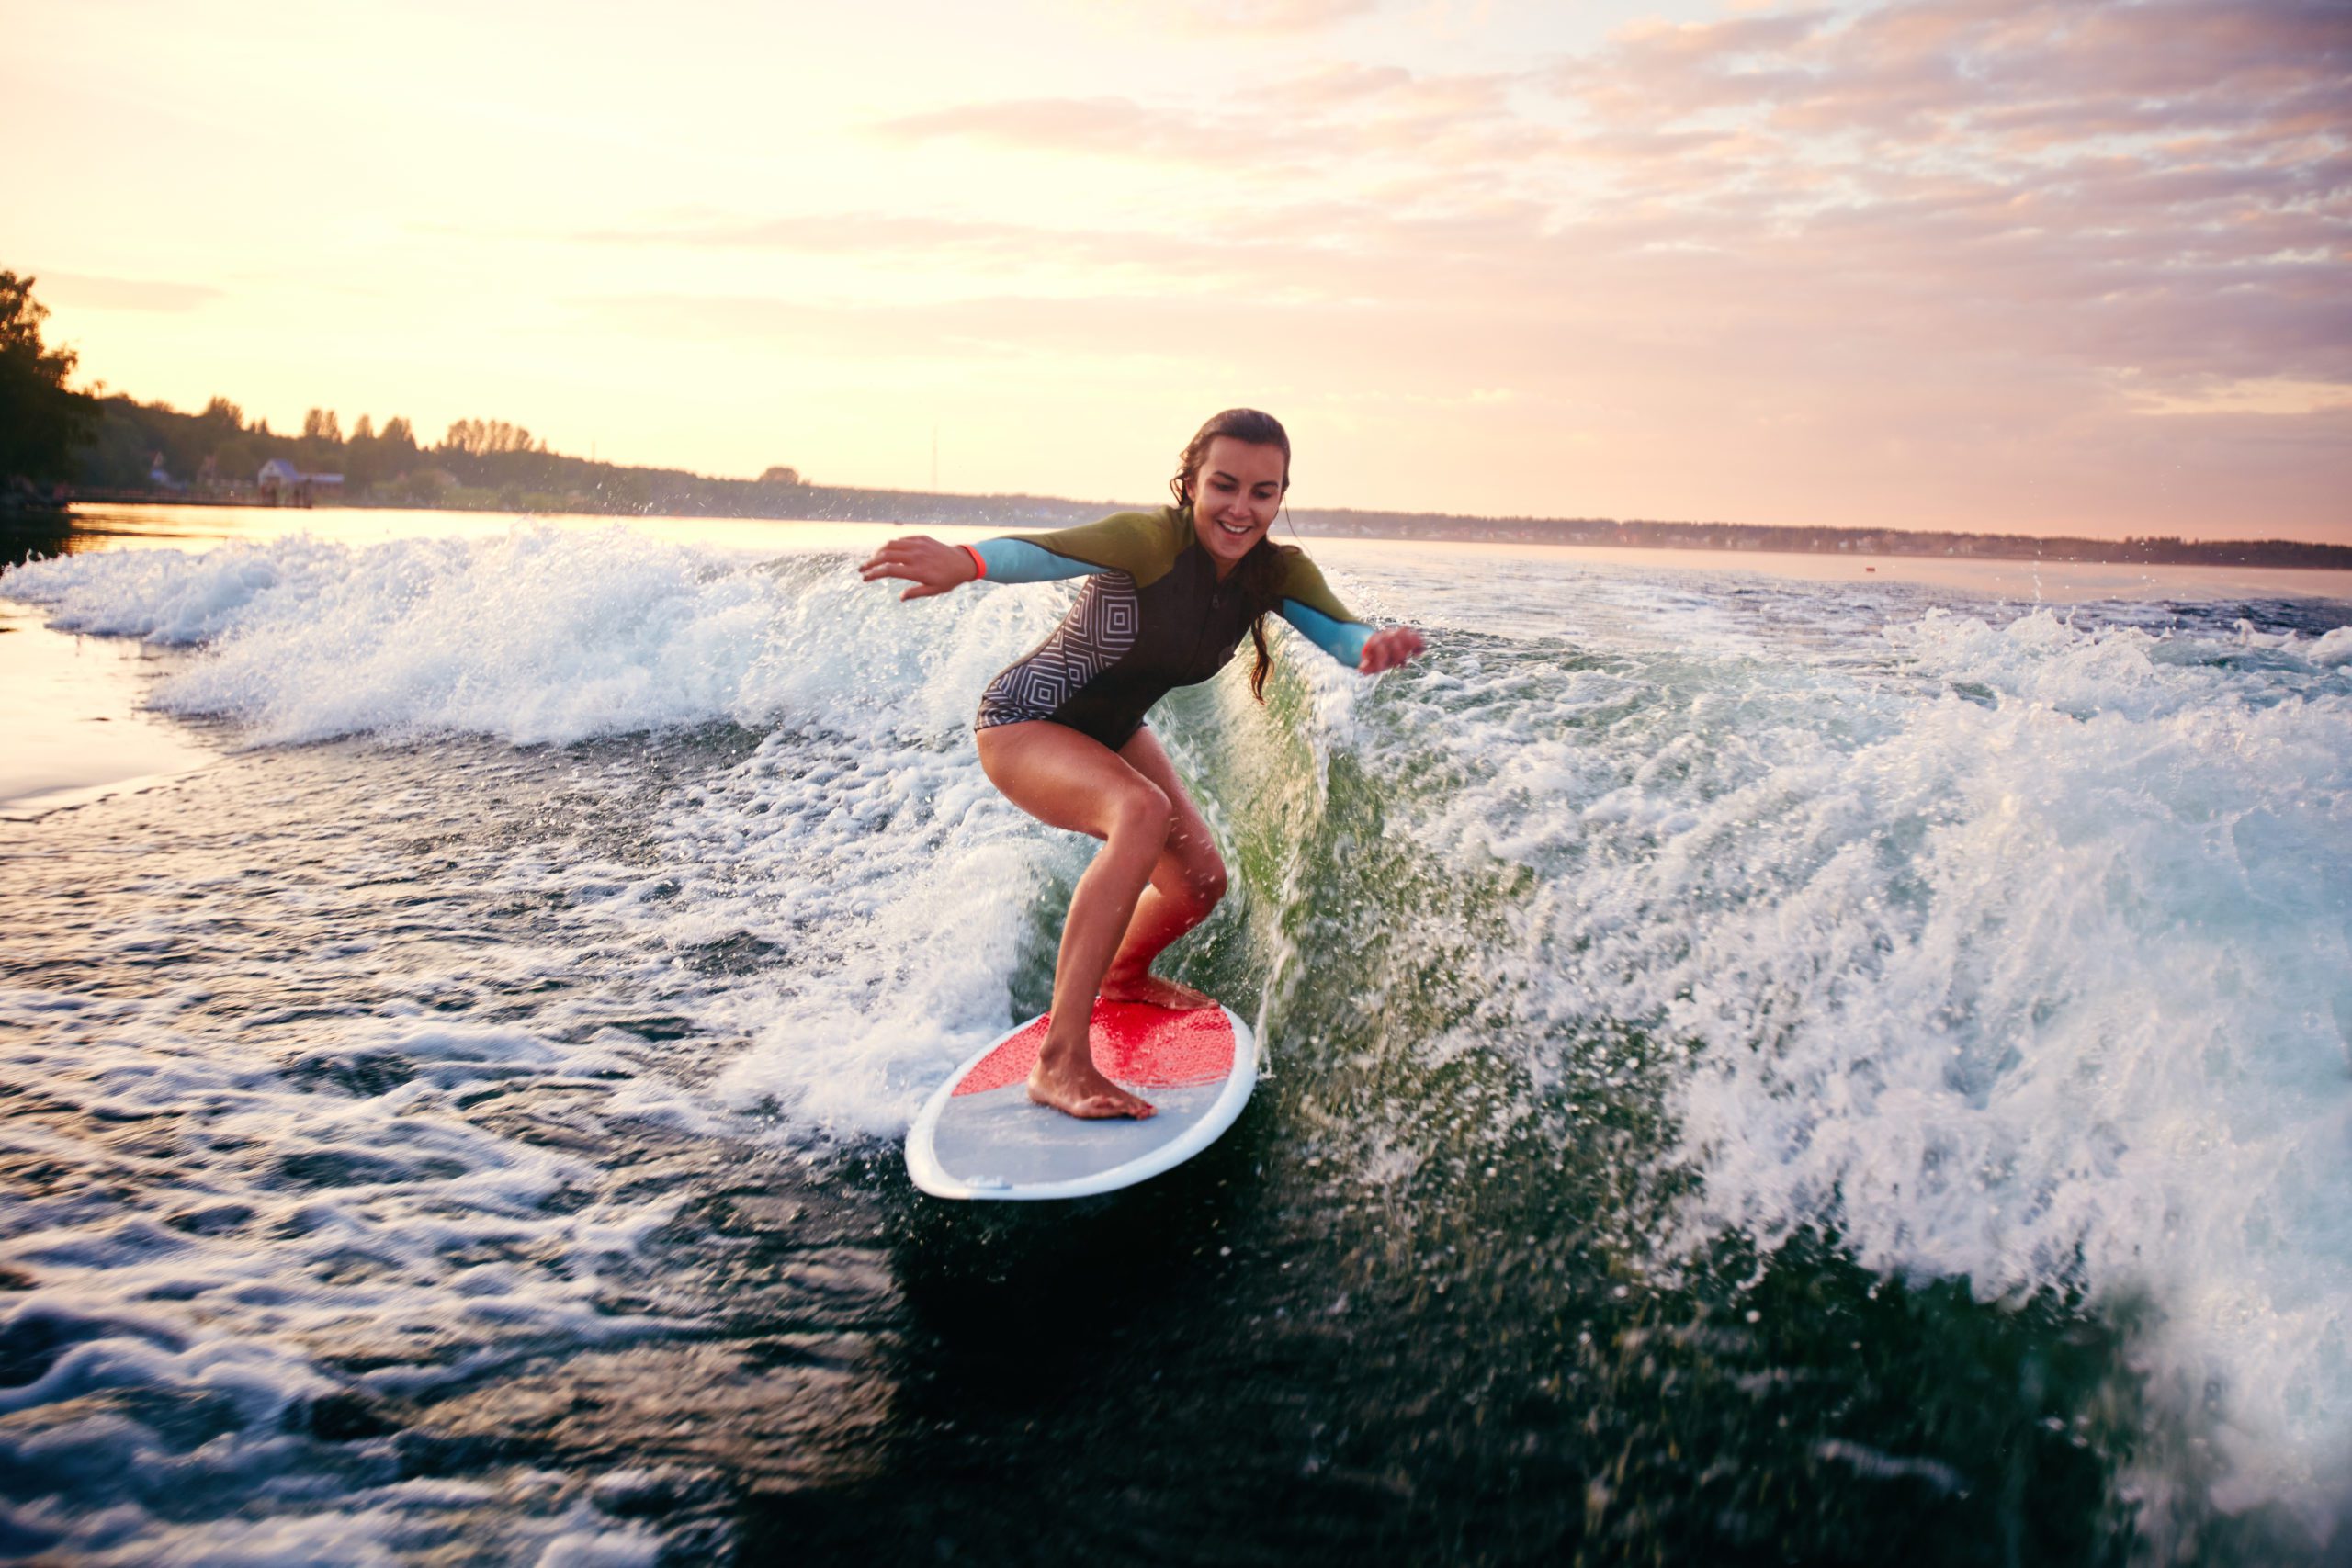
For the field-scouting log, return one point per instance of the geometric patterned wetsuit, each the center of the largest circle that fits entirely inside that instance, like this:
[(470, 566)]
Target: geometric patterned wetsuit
[(1153, 615)]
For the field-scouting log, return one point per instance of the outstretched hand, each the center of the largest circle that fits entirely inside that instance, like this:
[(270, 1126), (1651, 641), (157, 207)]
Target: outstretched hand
[(1388, 648), (932, 566)]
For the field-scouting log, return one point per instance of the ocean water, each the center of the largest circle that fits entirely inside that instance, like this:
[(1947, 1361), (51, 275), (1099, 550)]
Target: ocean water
[(1768, 1062)]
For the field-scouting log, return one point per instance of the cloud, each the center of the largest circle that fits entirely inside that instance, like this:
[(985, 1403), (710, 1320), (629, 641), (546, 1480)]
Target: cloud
[(1297, 126), (94, 293), (2164, 187), (2024, 74), (1675, 398), (1111, 125), (1094, 259), (856, 234), (1258, 16), (1967, 244)]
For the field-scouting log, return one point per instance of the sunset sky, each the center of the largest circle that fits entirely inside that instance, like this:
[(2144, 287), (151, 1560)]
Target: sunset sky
[(1984, 264)]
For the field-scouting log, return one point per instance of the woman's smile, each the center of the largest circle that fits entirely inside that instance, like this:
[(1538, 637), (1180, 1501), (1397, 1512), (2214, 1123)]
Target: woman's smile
[(1235, 494)]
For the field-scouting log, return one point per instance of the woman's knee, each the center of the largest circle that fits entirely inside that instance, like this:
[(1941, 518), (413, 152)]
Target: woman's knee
[(1139, 812), (1206, 882)]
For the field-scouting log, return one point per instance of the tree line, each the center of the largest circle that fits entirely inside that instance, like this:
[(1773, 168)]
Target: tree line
[(58, 443)]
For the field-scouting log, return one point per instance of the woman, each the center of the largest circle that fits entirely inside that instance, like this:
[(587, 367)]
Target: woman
[(1061, 733)]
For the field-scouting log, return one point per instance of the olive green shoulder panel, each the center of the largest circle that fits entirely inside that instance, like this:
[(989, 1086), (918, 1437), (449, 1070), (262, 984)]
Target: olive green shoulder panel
[(1144, 544), (1303, 582)]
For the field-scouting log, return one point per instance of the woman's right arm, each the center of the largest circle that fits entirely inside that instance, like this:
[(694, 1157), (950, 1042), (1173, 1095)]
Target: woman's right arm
[(1132, 542)]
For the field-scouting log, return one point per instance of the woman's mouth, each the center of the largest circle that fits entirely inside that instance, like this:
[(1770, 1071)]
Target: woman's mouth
[(1236, 530)]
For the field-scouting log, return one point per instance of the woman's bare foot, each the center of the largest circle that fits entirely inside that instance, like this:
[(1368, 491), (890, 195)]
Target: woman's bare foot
[(1152, 989), (1074, 1086)]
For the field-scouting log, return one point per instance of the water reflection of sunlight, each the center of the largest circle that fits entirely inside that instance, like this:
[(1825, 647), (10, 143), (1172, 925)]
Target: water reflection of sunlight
[(70, 708)]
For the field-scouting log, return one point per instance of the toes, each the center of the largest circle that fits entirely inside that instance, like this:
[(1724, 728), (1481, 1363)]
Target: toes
[(1093, 1105), (1103, 1107)]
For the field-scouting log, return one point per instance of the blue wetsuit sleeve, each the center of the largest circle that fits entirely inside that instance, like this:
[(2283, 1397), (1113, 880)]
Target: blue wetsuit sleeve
[(1309, 603), (1343, 641), (1018, 561)]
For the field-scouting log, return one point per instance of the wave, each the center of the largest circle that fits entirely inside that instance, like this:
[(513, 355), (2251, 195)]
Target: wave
[(540, 636), (2011, 948), (2020, 953)]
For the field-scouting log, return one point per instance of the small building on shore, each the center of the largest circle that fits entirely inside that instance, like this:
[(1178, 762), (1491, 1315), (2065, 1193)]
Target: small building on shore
[(283, 484)]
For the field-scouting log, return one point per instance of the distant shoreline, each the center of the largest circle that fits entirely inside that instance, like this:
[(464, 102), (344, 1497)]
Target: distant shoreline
[(1755, 539), (831, 504), (150, 454)]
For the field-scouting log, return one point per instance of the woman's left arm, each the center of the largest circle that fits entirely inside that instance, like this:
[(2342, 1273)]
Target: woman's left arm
[(1309, 603)]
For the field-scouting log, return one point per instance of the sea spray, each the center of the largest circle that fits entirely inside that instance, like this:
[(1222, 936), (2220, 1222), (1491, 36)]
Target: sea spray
[(2004, 947), (539, 636), (2014, 957)]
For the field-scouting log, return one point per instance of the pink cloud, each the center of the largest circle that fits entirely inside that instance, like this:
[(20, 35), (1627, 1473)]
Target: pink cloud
[(2042, 71), (1932, 232), (1340, 113), (1263, 16)]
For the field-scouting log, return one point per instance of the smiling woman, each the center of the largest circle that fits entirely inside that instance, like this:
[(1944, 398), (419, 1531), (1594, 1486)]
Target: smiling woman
[(1061, 730)]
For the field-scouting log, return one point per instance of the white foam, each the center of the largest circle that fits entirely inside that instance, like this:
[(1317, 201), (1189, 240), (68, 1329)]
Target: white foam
[(2023, 957), (541, 634), (894, 883), (859, 822)]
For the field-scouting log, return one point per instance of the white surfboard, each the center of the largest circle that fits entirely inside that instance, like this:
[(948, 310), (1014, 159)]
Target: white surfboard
[(981, 1136)]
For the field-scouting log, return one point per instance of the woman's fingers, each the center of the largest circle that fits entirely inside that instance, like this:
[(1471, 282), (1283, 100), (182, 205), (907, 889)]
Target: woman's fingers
[(1387, 649), (896, 550), (900, 557)]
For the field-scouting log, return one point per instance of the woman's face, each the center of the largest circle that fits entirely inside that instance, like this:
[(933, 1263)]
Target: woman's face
[(1236, 493)]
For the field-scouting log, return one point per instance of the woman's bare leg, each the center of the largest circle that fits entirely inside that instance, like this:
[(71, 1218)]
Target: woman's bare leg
[(1067, 780), (1186, 884)]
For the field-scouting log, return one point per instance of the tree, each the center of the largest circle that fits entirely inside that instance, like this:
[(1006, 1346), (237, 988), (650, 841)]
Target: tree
[(41, 422), (781, 475), (364, 457), (228, 416), (321, 424), (398, 434), (480, 438)]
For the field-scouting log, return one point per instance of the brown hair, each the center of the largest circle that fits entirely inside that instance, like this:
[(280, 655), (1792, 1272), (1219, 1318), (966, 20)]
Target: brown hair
[(1262, 573)]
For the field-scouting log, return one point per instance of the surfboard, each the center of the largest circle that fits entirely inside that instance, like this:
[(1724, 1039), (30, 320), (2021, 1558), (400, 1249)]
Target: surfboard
[(980, 1136)]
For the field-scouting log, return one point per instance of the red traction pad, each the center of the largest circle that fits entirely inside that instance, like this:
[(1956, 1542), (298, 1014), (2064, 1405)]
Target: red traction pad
[(1136, 1043)]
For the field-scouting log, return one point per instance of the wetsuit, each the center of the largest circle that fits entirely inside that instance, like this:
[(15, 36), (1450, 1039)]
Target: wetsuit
[(1153, 615)]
